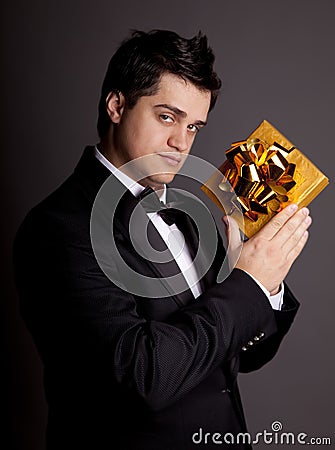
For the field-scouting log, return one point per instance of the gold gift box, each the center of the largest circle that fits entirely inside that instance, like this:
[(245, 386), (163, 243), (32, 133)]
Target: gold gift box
[(309, 181)]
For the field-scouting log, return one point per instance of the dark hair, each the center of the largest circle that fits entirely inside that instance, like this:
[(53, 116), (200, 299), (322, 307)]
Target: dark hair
[(137, 66)]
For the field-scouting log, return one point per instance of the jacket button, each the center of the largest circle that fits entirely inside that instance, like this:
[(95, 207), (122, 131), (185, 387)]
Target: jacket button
[(224, 391), (261, 335), (244, 349), (250, 343), (256, 338)]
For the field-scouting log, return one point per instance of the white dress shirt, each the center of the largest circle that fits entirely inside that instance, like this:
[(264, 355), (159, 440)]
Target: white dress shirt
[(173, 237)]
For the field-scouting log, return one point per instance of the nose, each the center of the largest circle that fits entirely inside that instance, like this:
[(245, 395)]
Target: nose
[(179, 139)]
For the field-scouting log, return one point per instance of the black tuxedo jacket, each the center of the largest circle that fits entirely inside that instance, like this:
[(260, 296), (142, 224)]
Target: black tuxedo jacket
[(124, 371)]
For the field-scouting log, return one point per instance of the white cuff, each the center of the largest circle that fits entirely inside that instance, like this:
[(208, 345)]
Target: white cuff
[(276, 300)]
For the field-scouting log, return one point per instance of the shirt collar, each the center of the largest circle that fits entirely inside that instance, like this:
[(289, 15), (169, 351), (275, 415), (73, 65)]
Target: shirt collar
[(134, 187)]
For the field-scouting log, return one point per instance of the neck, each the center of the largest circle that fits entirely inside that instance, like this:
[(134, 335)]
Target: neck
[(105, 147), (108, 151)]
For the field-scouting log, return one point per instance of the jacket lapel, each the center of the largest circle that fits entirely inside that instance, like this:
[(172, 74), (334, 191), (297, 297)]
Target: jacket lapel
[(131, 215), (204, 262)]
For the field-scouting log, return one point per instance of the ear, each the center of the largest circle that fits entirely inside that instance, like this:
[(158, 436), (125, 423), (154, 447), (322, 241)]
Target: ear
[(115, 103)]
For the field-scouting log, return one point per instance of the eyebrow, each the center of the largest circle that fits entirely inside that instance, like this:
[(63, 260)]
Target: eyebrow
[(179, 112)]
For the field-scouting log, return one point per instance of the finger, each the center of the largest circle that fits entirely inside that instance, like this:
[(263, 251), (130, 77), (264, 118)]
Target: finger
[(296, 236), (232, 232), (277, 222), (297, 249), (287, 232), (234, 246)]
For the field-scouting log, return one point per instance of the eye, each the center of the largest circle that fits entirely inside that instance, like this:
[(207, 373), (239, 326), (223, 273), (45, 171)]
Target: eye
[(166, 118), (193, 128)]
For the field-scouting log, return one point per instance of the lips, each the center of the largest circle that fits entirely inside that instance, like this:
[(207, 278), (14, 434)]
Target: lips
[(171, 158)]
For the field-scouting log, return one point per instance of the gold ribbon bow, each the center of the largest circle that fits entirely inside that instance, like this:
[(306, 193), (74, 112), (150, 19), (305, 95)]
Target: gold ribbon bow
[(259, 175)]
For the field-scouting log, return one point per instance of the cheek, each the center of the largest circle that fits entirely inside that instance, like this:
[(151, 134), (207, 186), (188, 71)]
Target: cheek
[(131, 140), (190, 141), (152, 139)]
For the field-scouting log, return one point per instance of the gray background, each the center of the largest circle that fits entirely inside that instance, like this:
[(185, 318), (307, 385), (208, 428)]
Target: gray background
[(276, 59)]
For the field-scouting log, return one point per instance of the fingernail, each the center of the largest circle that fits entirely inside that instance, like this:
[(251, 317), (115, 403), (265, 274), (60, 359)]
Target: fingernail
[(293, 207), (305, 211)]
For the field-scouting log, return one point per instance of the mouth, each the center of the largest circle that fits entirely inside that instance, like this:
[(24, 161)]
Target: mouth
[(171, 158)]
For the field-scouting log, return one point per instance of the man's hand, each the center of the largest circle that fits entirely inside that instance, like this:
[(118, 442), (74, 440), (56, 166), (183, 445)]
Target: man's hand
[(270, 253)]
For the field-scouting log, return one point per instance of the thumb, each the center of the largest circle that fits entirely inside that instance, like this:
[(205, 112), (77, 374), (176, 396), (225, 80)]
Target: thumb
[(232, 232), (233, 239)]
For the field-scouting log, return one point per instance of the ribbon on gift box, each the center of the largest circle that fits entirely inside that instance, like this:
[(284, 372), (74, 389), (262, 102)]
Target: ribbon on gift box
[(259, 176)]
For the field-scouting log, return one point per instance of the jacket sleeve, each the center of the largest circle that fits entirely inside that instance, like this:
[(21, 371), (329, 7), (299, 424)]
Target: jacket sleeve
[(74, 311), (261, 351)]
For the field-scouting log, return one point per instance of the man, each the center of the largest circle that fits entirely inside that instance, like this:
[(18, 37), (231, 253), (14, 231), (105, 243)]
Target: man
[(125, 369)]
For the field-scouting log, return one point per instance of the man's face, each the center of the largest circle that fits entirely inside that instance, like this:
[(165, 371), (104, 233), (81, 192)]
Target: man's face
[(162, 125)]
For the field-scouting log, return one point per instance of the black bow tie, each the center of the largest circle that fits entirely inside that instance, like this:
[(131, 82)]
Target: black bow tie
[(167, 211)]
